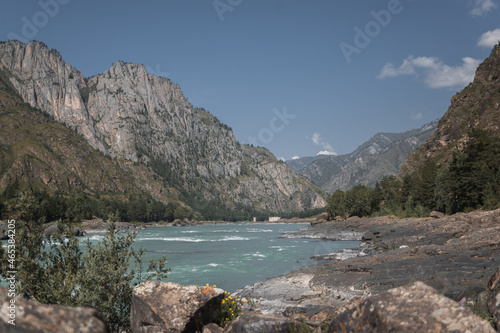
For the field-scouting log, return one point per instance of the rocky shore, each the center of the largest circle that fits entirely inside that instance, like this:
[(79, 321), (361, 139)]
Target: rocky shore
[(455, 255), (436, 274)]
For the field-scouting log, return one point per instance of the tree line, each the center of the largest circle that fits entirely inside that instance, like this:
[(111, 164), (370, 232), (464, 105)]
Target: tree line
[(470, 181), (79, 206)]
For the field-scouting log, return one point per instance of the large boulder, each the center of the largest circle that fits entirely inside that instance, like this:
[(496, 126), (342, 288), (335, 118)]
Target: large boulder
[(33, 317), (255, 322), (494, 298), (171, 307), (412, 308)]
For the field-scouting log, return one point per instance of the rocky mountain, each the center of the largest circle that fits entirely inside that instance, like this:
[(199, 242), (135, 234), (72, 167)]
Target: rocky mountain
[(477, 105), (139, 119), (382, 155), (36, 150)]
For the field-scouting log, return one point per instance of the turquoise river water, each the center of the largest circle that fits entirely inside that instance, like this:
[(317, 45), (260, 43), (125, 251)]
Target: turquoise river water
[(230, 256)]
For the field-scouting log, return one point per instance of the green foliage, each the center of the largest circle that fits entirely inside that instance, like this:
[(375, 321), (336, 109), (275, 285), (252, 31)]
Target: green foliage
[(56, 271), (79, 206), (470, 181), (337, 204)]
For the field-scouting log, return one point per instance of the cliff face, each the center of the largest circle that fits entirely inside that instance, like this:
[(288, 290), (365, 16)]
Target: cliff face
[(37, 150), (133, 116), (477, 105), (382, 155)]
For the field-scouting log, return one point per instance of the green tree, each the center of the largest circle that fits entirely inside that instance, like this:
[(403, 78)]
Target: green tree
[(359, 201), (336, 204), (474, 175)]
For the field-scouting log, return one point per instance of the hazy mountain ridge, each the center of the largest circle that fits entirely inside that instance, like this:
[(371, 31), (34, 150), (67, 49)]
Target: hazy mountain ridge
[(135, 117), (382, 155)]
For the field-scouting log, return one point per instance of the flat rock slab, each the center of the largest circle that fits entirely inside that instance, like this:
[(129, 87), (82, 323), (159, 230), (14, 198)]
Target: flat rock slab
[(455, 254), (41, 318), (274, 295), (413, 308), (171, 307), (262, 323)]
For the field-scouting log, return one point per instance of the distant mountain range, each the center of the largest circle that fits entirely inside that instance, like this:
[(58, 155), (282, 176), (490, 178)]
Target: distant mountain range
[(126, 131), (382, 155)]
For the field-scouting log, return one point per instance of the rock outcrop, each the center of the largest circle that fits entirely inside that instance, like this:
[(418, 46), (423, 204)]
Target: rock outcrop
[(142, 119), (32, 317), (477, 105), (169, 307), (494, 298), (412, 308)]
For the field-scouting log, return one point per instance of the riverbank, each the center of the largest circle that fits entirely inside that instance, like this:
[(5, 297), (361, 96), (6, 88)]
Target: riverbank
[(98, 226), (454, 254)]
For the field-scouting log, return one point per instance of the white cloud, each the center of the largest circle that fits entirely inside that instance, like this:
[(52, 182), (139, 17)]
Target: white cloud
[(417, 116), (489, 38), (436, 74), (482, 7), (326, 152), (318, 141), (316, 138), (295, 158)]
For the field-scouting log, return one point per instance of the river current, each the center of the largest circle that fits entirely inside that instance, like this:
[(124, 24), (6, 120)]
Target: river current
[(233, 255)]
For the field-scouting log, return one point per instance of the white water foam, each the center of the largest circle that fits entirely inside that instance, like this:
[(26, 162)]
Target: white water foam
[(194, 240)]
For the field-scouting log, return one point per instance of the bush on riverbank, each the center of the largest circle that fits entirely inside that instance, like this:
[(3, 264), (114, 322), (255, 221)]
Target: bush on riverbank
[(56, 271)]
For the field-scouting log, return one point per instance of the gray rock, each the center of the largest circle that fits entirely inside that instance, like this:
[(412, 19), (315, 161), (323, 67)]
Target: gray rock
[(212, 328), (436, 215), (262, 323), (345, 254), (170, 307), (50, 229), (40, 318), (412, 308), (275, 295), (3, 230), (494, 298)]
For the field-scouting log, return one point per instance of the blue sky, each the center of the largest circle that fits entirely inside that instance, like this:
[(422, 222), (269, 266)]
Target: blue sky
[(298, 77)]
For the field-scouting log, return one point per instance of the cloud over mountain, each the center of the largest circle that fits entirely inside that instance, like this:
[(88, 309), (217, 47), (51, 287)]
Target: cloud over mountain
[(434, 72)]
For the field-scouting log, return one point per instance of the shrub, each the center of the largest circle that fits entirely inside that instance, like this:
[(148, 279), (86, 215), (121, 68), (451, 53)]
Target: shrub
[(57, 271)]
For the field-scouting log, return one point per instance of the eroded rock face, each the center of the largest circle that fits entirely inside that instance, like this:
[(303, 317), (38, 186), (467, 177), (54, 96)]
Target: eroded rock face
[(412, 308), (494, 298), (170, 307), (477, 105), (33, 317)]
